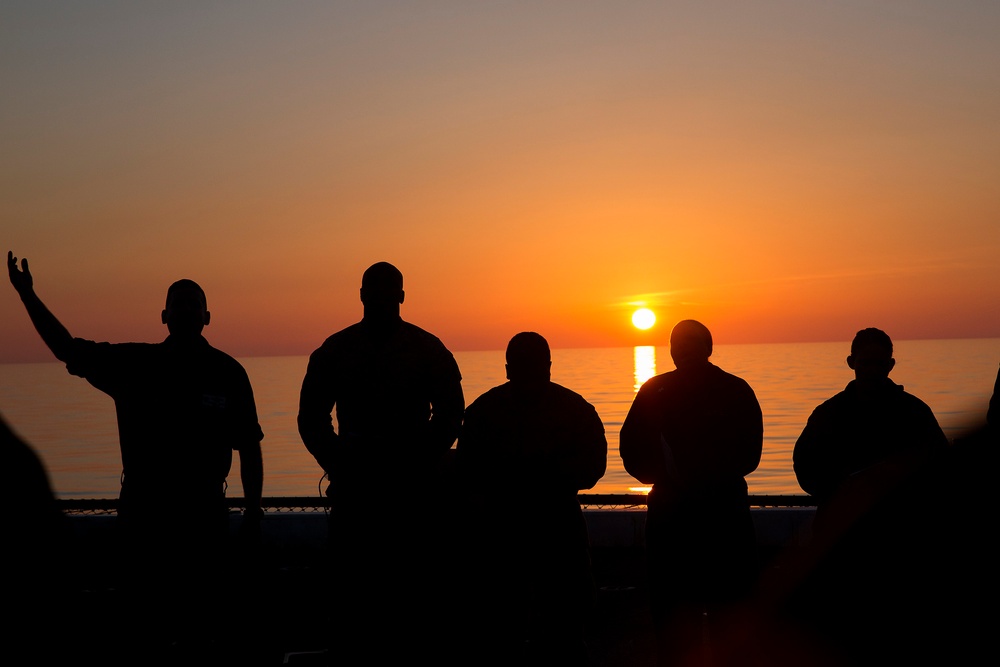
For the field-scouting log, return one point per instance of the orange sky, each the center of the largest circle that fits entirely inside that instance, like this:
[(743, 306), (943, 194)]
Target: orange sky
[(787, 172)]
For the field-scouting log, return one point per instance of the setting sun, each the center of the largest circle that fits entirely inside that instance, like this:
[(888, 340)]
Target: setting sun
[(643, 318)]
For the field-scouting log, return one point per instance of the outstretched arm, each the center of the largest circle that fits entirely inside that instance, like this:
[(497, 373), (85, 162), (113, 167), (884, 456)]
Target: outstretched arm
[(53, 333)]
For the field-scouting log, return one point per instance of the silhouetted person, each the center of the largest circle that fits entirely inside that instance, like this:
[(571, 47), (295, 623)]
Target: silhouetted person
[(859, 456), (398, 397), (35, 554), (536, 444), (900, 567), (182, 408), (873, 427), (694, 434)]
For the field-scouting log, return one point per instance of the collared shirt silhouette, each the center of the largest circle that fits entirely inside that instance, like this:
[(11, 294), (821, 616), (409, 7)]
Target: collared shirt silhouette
[(537, 443), (694, 434), (871, 427)]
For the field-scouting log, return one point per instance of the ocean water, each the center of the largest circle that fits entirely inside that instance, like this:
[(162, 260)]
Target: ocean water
[(72, 425)]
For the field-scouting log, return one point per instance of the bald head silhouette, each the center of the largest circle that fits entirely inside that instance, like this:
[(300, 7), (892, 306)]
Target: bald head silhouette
[(186, 310), (690, 343), (528, 358), (382, 293), (871, 356)]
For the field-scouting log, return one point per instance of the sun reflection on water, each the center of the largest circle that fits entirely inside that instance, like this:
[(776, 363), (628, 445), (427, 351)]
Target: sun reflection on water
[(645, 364)]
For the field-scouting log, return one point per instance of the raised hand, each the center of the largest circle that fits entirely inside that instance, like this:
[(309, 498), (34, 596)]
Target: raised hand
[(20, 279)]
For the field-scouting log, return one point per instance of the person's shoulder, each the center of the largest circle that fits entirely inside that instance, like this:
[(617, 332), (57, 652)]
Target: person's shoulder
[(567, 394), (895, 395), (421, 344), (914, 402), (571, 402), (413, 332), (837, 404), (725, 376), (347, 336), (224, 364), (659, 382), (501, 392), (489, 401), (222, 357)]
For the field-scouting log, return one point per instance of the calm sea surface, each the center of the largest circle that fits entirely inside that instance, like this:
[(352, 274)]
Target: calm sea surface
[(72, 425)]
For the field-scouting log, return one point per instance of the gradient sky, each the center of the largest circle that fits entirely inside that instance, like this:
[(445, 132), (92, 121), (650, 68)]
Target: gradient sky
[(782, 171)]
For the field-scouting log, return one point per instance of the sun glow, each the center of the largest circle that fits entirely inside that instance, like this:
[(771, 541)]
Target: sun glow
[(643, 318)]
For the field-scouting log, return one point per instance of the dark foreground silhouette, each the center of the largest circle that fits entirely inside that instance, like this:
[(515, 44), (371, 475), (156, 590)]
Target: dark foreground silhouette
[(694, 434), (527, 574), (36, 574), (398, 398), (182, 408), (905, 574), (901, 566), (872, 428)]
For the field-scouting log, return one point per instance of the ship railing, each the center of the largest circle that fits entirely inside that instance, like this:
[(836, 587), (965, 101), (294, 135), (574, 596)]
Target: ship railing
[(589, 501)]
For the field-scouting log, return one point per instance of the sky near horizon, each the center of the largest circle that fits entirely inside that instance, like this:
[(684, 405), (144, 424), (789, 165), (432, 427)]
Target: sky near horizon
[(782, 171)]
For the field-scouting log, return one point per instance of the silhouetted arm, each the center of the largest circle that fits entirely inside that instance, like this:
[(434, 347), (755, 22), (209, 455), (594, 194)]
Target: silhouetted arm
[(315, 419), (53, 333), (252, 477), (740, 438), (447, 410), (817, 469), (478, 471), (640, 441), (586, 460)]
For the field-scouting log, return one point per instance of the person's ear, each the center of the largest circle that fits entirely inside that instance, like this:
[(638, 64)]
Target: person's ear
[(891, 364), (208, 318), (163, 316), (402, 295), (850, 361)]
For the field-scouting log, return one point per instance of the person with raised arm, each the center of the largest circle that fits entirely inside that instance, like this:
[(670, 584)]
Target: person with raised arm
[(183, 407)]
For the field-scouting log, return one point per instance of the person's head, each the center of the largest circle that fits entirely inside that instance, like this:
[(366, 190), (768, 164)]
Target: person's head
[(690, 343), (528, 358), (871, 355), (186, 310), (382, 290)]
